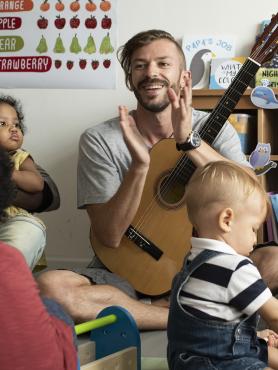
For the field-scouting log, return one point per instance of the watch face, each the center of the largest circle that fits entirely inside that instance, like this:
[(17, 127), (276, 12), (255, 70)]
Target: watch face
[(195, 139)]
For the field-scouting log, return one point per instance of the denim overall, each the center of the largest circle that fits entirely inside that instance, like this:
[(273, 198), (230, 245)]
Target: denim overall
[(200, 344)]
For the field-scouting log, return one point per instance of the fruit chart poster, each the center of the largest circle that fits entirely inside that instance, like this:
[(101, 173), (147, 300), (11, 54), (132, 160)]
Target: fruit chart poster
[(58, 44)]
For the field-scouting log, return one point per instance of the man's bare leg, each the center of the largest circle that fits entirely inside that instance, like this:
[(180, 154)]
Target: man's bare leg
[(83, 301)]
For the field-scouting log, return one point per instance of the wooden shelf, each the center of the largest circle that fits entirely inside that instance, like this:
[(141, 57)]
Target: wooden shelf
[(266, 130)]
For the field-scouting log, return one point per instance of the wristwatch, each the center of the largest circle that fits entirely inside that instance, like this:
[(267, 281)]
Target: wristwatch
[(192, 142)]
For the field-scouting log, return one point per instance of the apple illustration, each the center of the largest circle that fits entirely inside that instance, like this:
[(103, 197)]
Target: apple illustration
[(42, 22), (74, 22), (60, 22), (58, 63), (106, 63), (91, 22), (106, 22), (82, 63), (95, 64), (69, 64)]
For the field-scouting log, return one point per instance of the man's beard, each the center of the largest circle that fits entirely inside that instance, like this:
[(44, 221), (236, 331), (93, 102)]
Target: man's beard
[(155, 107)]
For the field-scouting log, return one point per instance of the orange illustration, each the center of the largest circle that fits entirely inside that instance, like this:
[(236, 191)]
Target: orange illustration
[(105, 5), (75, 6), (90, 6), (59, 6), (45, 6)]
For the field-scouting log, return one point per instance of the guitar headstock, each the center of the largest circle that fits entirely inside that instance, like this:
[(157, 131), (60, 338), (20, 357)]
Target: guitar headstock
[(267, 43)]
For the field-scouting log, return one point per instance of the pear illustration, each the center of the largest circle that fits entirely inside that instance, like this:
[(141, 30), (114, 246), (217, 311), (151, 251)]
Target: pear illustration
[(74, 46), (59, 46), (42, 47), (90, 48), (105, 46)]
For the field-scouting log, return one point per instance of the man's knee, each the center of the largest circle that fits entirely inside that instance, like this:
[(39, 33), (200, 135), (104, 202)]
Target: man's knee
[(57, 283)]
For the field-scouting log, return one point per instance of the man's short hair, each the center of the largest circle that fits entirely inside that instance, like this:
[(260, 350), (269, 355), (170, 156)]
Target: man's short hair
[(7, 187), (141, 39), (16, 104)]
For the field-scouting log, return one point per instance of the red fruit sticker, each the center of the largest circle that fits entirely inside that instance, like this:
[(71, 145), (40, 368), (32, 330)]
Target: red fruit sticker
[(42, 23), (91, 22), (106, 22), (69, 64), (106, 63), (60, 22), (74, 22), (58, 63), (82, 63), (95, 64)]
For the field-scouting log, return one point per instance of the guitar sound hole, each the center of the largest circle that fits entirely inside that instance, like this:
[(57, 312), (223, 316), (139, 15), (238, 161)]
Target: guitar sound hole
[(170, 191)]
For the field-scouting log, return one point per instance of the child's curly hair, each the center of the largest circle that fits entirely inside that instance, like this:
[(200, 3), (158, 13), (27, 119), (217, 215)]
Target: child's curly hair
[(16, 104), (7, 187)]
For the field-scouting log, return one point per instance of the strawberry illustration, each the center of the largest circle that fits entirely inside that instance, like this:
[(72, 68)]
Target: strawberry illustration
[(106, 63), (95, 64), (82, 63), (58, 63), (69, 64)]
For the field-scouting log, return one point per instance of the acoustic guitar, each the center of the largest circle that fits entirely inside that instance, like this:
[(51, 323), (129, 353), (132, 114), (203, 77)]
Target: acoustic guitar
[(153, 247)]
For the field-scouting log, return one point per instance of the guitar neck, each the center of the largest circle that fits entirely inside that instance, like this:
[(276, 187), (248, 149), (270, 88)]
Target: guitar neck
[(227, 103), (216, 120)]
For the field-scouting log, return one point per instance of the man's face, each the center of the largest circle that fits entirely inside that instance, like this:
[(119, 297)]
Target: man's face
[(155, 68)]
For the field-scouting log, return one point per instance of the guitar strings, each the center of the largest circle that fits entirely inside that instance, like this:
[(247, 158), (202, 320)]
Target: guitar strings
[(183, 161)]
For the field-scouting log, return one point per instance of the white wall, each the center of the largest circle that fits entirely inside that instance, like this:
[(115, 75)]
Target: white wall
[(56, 118)]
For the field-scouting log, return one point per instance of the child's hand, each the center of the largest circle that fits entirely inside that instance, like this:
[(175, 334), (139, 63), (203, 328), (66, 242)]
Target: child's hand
[(269, 336)]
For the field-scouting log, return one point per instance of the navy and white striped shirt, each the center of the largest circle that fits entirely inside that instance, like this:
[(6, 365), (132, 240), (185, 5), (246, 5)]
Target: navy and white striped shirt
[(226, 287)]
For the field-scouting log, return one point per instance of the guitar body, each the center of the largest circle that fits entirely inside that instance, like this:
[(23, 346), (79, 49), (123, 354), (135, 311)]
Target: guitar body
[(163, 221)]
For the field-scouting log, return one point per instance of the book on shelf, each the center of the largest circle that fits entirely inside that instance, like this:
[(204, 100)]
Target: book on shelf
[(267, 74), (223, 71), (274, 216)]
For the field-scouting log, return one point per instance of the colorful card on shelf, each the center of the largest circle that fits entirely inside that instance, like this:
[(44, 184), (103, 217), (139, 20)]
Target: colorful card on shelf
[(58, 44), (199, 52), (223, 71), (269, 74), (274, 202)]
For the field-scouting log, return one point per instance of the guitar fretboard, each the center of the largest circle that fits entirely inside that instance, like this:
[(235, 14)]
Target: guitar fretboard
[(185, 168)]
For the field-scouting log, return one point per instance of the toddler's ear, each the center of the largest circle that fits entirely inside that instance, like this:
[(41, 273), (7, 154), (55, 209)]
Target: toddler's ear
[(225, 219)]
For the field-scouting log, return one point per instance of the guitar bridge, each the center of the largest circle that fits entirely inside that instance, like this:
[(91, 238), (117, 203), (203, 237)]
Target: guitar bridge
[(143, 243)]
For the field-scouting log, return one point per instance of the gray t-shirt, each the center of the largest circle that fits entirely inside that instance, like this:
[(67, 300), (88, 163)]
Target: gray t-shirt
[(104, 158)]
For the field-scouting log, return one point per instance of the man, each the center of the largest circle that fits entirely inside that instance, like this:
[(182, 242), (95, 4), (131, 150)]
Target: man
[(113, 164)]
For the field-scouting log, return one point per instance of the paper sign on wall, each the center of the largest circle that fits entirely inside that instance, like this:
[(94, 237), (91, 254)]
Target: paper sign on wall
[(58, 43)]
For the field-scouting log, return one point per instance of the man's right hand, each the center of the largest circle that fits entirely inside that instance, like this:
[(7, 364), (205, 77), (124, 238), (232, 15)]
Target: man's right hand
[(133, 139)]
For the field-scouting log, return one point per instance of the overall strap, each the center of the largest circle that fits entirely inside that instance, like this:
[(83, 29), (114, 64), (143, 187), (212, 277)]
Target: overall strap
[(202, 257)]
